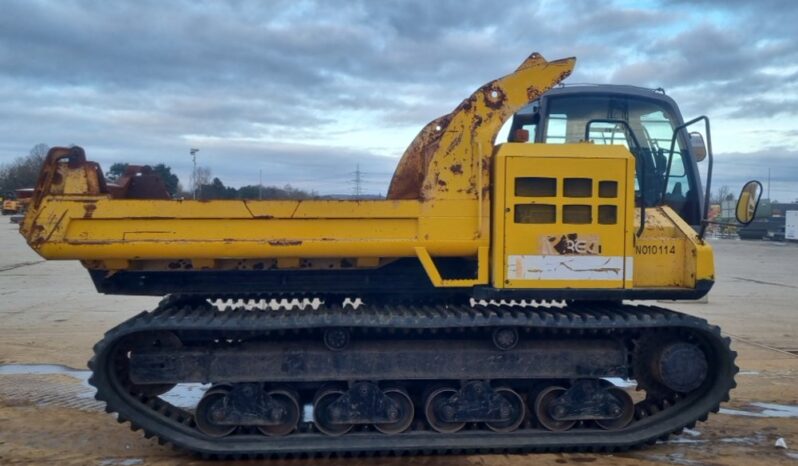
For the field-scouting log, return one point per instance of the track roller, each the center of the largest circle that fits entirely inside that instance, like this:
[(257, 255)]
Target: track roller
[(544, 403), (433, 406), (448, 410), (515, 415), (627, 409), (322, 417), (206, 416), (289, 415), (404, 415)]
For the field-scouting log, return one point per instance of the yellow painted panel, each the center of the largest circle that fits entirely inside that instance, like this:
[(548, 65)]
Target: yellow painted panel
[(113, 229), (669, 253), (548, 252), (178, 249), (659, 262)]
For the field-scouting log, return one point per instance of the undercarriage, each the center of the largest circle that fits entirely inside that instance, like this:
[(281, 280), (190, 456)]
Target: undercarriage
[(329, 379)]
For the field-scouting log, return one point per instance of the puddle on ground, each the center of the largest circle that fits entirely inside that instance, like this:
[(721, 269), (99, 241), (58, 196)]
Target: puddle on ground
[(53, 392), (684, 441), (688, 437), (674, 458), (758, 409), (121, 462), (28, 369)]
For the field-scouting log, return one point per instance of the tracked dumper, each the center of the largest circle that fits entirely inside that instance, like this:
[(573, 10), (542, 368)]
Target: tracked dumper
[(480, 307)]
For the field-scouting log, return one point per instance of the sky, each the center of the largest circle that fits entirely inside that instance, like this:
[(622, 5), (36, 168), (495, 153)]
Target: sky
[(306, 92)]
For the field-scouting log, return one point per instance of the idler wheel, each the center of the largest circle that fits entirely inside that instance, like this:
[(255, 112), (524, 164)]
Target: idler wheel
[(627, 410), (543, 404), (432, 405), (291, 418), (204, 414), (404, 414), (680, 366), (516, 414), (322, 418)]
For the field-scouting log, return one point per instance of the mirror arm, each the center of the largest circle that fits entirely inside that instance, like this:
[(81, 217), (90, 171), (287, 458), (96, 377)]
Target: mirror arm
[(710, 163), (631, 133), (725, 224)]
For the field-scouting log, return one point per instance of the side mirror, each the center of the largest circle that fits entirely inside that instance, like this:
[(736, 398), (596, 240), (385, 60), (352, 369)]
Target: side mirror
[(748, 202), (697, 146)]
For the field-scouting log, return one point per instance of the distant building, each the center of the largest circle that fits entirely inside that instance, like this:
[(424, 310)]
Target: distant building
[(727, 207)]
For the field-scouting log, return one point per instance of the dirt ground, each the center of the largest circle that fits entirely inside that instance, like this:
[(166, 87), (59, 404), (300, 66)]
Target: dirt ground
[(51, 317)]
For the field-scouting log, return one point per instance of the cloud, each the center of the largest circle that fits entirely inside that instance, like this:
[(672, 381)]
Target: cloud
[(778, 163), (293, 87)]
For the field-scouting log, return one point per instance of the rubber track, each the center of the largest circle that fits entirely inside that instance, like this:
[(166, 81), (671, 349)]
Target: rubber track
[(172, 425)]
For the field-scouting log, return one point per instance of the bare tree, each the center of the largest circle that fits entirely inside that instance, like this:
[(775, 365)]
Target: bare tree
[(203, 177), (23, 171), (39, 150), (721, 194)]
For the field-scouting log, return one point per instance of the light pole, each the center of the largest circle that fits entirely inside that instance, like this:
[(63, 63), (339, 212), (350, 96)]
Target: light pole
[(193, 152)]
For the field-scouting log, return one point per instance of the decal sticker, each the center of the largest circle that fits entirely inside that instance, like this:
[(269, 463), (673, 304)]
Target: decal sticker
[(523, 267), (571, 244)]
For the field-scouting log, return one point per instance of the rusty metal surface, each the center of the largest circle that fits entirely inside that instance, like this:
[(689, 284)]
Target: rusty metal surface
[(139, 182), (65, 171), (450, 157)]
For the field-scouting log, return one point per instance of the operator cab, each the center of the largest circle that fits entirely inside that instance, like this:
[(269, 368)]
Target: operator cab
[(605, 114)]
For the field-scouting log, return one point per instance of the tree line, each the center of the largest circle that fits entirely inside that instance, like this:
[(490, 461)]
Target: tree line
[(22, 172), (208, 188)]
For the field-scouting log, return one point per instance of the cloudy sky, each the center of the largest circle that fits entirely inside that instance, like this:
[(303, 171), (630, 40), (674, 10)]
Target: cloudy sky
[(305, 91)]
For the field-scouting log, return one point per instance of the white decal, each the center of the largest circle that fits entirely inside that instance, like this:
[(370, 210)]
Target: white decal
[(523, 267)]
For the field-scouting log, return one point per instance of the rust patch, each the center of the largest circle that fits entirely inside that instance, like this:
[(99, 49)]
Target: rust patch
[(455, 142), (532, 93), (466, 104), (409, 175), (476, 122), (457, 169), (285, 242), (486, 163), (494, 96), (89, 210)]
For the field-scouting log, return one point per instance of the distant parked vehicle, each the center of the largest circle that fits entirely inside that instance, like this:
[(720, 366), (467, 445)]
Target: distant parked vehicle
[(791, 225), (771, 228), (16, 202)]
